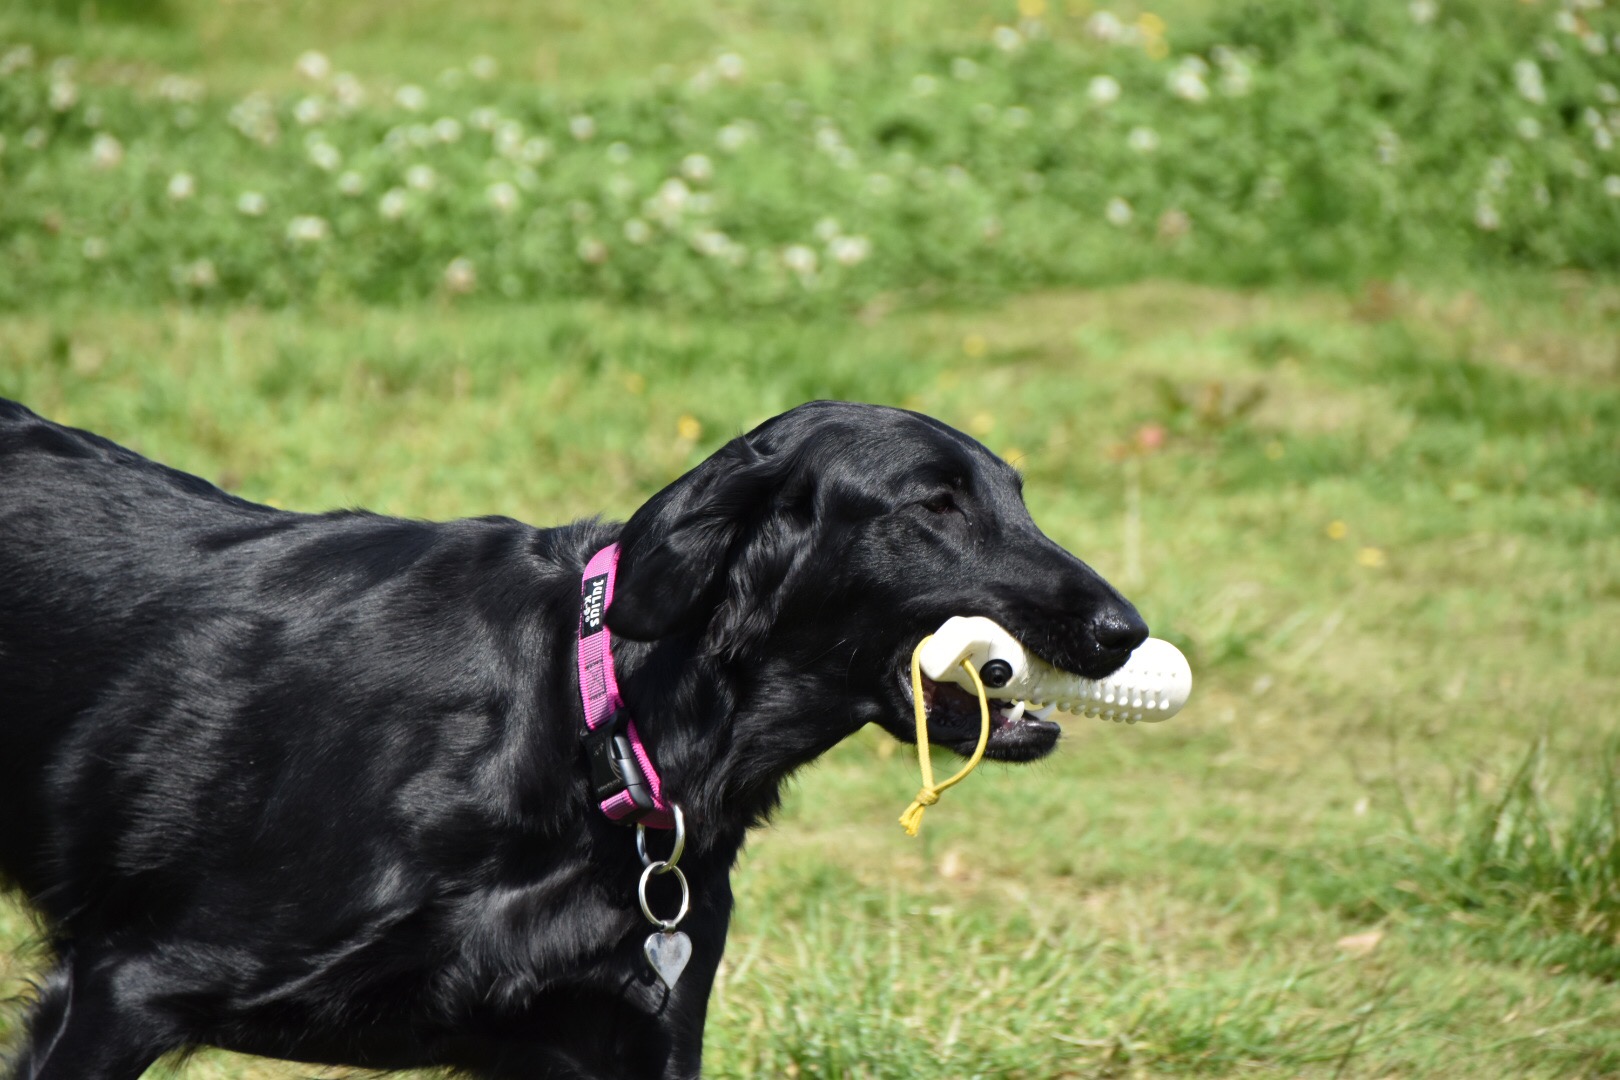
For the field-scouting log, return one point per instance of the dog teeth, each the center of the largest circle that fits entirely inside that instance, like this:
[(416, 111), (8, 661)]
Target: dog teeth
[(1012, 713), (1041, 712)]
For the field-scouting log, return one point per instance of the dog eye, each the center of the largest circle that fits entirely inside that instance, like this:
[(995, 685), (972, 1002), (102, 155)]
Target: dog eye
[(942, 503)]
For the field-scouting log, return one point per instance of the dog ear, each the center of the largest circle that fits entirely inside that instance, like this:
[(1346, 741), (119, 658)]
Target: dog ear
[(710, 551)]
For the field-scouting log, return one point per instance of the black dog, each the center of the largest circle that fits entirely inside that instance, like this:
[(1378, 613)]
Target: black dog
[(314, 786)]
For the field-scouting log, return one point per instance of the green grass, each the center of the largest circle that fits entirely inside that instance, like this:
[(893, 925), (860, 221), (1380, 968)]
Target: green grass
[(1154, 900), (1376, 499)]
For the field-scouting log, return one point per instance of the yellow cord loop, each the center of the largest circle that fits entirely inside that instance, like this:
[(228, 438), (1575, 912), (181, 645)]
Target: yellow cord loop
[(929, 795)]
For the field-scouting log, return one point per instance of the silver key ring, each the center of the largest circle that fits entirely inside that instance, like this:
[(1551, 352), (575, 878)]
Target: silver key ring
[(662, 867), (674, 855)]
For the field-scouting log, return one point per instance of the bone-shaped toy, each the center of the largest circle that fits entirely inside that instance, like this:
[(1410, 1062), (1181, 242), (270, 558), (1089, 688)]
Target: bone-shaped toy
[(1153, 684)]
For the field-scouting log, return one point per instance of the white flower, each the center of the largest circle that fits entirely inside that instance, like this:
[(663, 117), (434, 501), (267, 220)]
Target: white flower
[(421, 177), (94, 248), (1104, 90), (1187, 82), (1007, 39), (730, 67), (712, 242), (460, 276), (1608, 93), (447, 129), (1105, 26), (502, 195), (309, 110), (1611, 186), (106, 152), (1602, 140), (581, 211), (799, 259), (17, 58), (1596, 44), (964, 69), (1527, 78), (592, 251), (508, 138), (535, 150), (484, 118), (1423, 11), (181, 187), (1118, 212), (828, 230), (314, 65), (880, 185), (1486, 217), (307, 229), (582, 127), (350, 94), (324, 156), (849, 250), (64, 94), (924, 85), (483, 68), (255, 117), (734, 136), (637, 231), (619, 153), (393, 204), (670, 199), (1528, 127), (411, 98), (1144, 140), (697, 168), (1566, 21), (351, 183), (35, 138)]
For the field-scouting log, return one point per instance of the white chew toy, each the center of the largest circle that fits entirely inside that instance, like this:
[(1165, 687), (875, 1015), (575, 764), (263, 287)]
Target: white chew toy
[(1153, 684)]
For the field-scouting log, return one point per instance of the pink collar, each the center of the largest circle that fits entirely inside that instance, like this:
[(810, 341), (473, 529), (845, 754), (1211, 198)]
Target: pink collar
[(622, 772)]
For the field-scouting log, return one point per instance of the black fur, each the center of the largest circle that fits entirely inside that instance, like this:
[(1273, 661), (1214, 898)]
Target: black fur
[(311, 786)]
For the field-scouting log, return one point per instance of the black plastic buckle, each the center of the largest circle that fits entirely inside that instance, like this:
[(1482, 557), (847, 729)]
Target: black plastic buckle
[(614, 767)]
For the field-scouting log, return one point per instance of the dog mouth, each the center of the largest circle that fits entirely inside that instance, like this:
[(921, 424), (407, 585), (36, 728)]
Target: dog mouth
[(1017, 732)]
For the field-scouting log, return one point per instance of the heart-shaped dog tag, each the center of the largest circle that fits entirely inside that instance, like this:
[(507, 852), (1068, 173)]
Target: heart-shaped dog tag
[(668, 952)]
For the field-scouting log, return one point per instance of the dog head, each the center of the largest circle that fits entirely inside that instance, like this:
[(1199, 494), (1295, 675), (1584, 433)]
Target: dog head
[(818, 549)]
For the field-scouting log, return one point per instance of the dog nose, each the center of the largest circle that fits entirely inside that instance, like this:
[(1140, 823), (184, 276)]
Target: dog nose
[(1119, 628)]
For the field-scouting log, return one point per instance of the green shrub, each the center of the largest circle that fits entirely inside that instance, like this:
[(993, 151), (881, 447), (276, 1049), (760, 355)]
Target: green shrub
[(1287, 139)]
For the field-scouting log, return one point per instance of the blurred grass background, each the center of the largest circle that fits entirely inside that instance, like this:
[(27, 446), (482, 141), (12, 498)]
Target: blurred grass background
[(1334, 398)]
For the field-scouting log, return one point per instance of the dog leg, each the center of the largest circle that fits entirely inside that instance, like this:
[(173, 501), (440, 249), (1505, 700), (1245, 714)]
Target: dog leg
[(77, 1031)]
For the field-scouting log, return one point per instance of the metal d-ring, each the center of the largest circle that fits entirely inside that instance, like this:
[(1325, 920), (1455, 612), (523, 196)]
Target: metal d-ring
[(674, 855), (660, 867)]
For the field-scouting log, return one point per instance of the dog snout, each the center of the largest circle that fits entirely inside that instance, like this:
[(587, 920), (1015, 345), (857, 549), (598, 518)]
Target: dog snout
[(1119, 629)]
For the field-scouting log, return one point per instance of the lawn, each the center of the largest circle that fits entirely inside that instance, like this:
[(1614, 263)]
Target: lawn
[(1365, 471)]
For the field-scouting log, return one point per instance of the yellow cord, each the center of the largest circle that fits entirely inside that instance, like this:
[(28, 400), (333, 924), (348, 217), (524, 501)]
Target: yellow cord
[(929, 795)]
